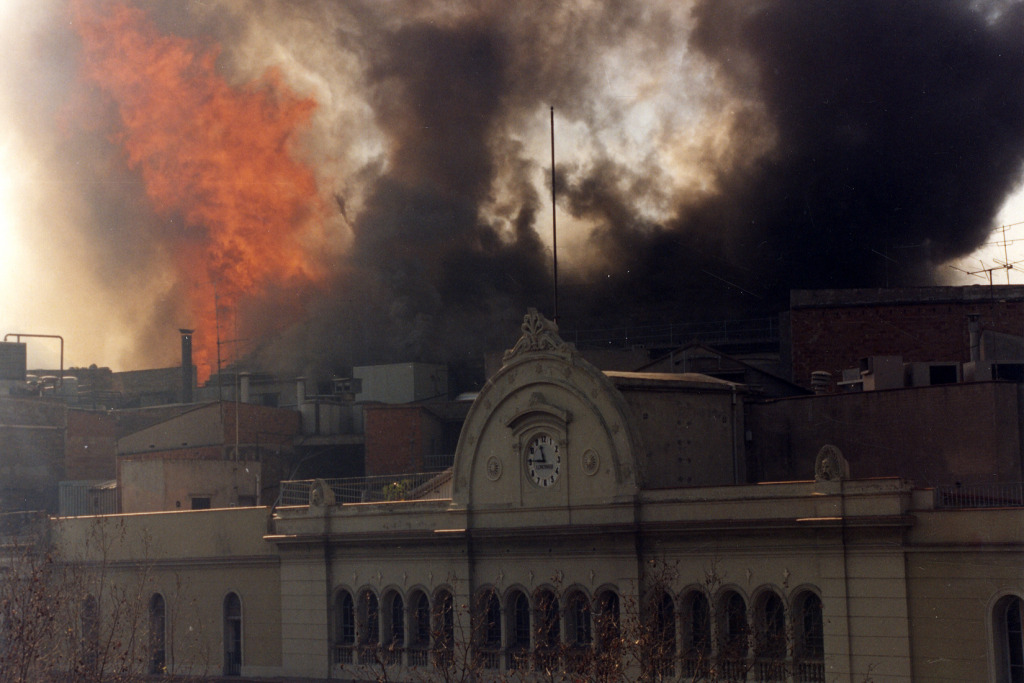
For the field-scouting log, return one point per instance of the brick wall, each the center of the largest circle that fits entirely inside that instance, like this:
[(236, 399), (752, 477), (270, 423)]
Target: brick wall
[(90, 451), (397, 438), (833, 330)]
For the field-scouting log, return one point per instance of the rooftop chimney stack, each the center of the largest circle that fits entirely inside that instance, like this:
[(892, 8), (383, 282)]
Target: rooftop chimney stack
[(820, 381), (186, 365)]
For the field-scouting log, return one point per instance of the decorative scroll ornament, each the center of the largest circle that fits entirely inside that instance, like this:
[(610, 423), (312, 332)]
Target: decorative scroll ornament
[(539, 334)]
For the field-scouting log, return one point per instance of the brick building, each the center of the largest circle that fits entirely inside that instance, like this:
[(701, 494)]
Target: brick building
[(412, 437), (831, 330)]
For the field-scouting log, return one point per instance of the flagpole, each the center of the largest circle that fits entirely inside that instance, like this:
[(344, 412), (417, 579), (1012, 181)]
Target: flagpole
[(554, 223)]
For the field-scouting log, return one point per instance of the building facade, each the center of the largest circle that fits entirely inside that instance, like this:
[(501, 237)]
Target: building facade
[(593, 526)]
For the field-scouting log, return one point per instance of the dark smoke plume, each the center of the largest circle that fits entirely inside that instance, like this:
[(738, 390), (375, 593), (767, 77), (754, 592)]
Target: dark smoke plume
[(871, 142), (711, 157)]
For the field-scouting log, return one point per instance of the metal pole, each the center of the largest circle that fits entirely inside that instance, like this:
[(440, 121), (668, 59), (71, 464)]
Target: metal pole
[(554, 224)]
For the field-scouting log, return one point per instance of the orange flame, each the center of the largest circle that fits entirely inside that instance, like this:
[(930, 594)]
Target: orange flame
[(218, 156)]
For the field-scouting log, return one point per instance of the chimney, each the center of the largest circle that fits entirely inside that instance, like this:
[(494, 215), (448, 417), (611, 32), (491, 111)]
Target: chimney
[(186, 365), (820, 381), (974, 334), (243, 379)]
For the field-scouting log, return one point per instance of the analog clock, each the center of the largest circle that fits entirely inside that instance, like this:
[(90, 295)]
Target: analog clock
[(543, 461)]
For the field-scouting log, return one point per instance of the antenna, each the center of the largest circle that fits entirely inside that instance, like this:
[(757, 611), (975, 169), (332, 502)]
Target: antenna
[(1006, 264), (554, 223)]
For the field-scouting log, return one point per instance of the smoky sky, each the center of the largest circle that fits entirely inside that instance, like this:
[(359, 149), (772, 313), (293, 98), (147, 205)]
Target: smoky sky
[(848, 143), (875, 140)]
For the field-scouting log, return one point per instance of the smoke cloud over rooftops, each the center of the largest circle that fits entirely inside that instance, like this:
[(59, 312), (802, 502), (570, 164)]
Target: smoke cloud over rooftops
[(711, 156)]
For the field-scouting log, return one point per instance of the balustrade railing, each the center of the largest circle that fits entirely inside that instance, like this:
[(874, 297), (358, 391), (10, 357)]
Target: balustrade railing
[(989, 495), (375, 489), (809, 671)]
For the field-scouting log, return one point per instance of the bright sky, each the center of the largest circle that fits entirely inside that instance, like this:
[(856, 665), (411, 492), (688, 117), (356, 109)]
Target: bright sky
[(1005, 246)]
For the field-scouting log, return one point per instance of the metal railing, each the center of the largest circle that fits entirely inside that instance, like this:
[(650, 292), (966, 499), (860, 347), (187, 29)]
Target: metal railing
[(343, 654), (438, 462), (809, 671), (768, 670), (490, 659), (996, 495), (376, 489)]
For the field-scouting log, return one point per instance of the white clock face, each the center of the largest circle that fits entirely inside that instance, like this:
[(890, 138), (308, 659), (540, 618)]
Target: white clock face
[(543, 461)]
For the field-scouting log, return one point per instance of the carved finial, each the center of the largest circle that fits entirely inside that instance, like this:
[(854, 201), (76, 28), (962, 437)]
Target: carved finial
[(830, 465), (539, 334)]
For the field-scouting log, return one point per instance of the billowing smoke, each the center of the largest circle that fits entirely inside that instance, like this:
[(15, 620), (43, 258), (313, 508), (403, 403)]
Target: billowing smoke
[(711, 156)]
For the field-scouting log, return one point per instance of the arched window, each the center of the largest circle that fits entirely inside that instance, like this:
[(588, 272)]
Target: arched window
[(578, 626), (770, 644), (609, 641), (809, 639), (394, 627), (397, 621), (90, 631), (370, 613), (157, 635), (549, 626), (548, 622), (419, 628), (368, 626), (232, 635), (696, 634), (1009, 633), (420, 622), (444, 629), (487, 634), (578, 633), (518, 629), (733, 635), (662, 638), (344, 627), (492, 621), (606, 620)]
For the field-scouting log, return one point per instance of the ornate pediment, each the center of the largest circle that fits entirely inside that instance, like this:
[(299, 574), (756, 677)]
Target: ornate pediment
[(539, 334)]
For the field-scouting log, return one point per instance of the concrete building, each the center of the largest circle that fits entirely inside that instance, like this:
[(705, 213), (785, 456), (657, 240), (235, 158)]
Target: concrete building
[(591, 522), (214, 456)]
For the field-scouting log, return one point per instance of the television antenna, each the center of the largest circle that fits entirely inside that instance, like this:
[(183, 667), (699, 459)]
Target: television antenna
[(1006, 264)]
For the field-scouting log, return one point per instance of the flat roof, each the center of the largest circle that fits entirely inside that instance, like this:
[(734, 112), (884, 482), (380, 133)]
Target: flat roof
[(831, 298)]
